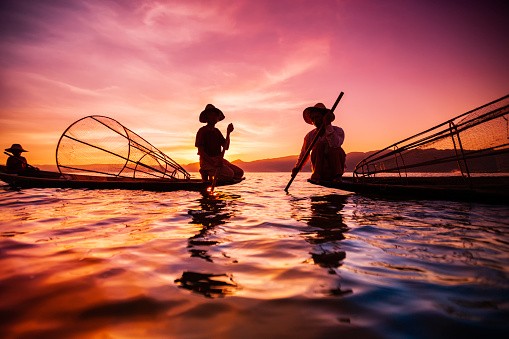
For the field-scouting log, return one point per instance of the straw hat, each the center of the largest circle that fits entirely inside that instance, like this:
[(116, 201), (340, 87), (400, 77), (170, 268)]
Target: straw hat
[(16, 148), (318, 108), (211, 109)]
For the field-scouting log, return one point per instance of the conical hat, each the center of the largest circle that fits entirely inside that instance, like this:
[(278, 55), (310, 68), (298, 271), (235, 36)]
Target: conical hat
[(211, 109), (320, 108)]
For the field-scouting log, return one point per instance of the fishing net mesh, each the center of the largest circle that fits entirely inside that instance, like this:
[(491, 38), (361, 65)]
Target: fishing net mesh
[(474, 142), (100, 145)]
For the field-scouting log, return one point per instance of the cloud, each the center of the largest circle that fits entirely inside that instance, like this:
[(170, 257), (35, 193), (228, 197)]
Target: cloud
[(153, 65)]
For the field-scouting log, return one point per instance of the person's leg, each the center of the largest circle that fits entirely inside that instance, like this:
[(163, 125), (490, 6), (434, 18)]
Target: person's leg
[(225, 173), (238, 173), (208, 167), (327, 163), (336, 160), (342, 161), (318, 162), (204, 175), (232, 171)]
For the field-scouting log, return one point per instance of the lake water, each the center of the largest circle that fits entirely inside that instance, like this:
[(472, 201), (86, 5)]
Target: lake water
[(250, 262)]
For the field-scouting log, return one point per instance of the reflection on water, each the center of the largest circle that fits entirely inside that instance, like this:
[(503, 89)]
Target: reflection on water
[(325, 232), (210, 285), (423, 243), (215, 209), (211, 214), (249, 261)]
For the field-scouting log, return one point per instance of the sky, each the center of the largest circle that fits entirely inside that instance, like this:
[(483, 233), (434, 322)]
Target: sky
[(404, 66)]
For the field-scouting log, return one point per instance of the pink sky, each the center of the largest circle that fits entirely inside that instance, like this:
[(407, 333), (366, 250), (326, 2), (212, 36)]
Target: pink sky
[(404, 65)]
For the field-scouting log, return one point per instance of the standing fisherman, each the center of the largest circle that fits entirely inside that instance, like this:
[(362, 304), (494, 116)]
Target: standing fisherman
[(211, 146)]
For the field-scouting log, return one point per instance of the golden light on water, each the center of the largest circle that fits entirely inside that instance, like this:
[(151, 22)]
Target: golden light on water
[(99, 263)]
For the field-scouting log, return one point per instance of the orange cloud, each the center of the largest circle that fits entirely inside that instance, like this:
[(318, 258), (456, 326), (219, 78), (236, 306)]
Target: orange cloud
[(154, 65)]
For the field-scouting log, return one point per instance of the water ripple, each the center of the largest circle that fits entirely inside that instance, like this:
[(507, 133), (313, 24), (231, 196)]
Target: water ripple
[(250, 261)]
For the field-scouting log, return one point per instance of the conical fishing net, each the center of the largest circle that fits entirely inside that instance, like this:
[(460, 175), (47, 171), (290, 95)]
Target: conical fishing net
[(100, 145), (474, 143)]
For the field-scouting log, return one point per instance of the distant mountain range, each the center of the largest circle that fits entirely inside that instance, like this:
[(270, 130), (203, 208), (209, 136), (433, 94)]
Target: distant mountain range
[(417, 156), (283, 164)]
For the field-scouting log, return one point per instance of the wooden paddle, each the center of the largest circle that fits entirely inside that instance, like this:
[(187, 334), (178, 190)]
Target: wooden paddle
[(315, 139)]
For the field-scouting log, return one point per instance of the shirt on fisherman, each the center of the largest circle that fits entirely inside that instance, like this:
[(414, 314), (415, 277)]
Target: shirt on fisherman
[(334, 136), (16, 164), (211, 140)]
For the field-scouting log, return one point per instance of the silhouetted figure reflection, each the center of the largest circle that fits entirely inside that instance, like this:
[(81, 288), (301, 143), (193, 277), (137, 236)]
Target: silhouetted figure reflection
[(215, 209), (210, 285), (210, 215), (326, 230)]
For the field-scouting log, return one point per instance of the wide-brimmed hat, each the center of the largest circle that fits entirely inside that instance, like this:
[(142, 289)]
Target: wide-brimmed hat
[(318, 108), (211, 109), (15, 148)]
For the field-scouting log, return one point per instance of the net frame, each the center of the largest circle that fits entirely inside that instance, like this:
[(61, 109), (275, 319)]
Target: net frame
[(134, 156), (462, 141)]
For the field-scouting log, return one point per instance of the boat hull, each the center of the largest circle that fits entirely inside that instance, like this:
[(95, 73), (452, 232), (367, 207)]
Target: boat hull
[(483, 189), (45, 179)]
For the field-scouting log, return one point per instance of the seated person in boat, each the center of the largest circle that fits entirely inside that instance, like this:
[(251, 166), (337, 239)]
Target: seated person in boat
[(327, 156), (211, 147), (16, 163)]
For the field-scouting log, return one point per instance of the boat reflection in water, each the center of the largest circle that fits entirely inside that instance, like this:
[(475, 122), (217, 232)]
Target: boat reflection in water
[(215, 209), (326, 230)]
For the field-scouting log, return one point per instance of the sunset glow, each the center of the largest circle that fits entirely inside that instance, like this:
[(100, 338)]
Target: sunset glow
[(153, 65)]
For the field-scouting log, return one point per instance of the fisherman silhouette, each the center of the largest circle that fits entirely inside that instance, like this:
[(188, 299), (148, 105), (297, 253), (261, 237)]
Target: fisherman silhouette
[(327, 156), (16, 163), (212, 145)]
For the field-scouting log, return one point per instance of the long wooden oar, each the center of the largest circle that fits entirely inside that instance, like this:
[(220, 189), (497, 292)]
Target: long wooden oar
[(315, 139)]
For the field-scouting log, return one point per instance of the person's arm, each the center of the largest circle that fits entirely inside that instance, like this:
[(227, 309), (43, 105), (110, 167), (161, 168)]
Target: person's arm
[(199, 142), (335, 136), (327, 118), (229, 129), (305, 145), (28, 166), (341, 135)]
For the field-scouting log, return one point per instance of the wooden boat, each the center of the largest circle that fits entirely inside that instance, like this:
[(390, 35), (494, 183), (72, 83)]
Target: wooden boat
[(464, 158), (48, 179), (97, 152), (485, 189)]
